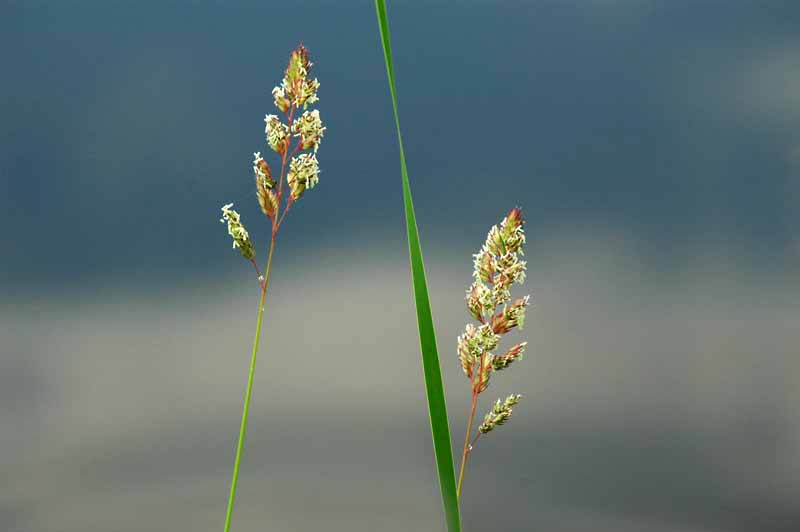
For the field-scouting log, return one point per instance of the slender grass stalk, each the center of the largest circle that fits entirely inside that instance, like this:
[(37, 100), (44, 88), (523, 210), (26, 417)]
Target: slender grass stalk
[(249, 391), (466, 450), (437, 407)]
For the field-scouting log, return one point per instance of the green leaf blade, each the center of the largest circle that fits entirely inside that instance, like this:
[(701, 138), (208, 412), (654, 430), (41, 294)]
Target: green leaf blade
[(437, 407)]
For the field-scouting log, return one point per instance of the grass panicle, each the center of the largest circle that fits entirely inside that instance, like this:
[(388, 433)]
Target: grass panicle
[(497, 266), (297, 91)]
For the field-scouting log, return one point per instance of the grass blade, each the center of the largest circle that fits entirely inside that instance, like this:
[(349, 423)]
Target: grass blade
[(427, 338)]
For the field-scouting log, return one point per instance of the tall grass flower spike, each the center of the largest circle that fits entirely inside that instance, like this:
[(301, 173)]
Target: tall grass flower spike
[(497, 267), (300, 172)]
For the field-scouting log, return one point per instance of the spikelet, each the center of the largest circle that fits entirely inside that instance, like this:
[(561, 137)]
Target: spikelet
[(303, 174), (240, 236), (277, 134), (499, 414), (511, 316), (296, 88), (503, 361), (310, 130)]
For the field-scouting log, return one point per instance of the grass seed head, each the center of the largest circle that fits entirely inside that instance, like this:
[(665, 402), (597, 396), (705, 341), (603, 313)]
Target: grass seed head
[(496, 268), (511, 316), (298, 67), (479, 300), (262, 171), (499, 414), (282, 102), (277, 134), (241, 238), (301, 171), (465, 355), (511, 231), (503, 361), (296, 87), (303, 174), (310, 130), (484, 374)]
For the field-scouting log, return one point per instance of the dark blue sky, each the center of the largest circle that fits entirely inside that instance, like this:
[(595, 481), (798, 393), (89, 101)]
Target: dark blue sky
[(126, 125)]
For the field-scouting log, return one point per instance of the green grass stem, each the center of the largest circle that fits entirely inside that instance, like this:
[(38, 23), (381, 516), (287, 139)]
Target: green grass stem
[(249, 391)]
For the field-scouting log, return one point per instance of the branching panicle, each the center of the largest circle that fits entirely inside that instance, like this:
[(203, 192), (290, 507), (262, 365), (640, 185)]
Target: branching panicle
[(302, 172), (497, 267)]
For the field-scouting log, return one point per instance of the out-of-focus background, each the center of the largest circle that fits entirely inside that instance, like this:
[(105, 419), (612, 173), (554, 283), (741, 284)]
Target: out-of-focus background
[(654, 148)]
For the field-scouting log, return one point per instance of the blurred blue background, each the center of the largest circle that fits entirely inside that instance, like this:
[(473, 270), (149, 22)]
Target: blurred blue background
[(653, 146)]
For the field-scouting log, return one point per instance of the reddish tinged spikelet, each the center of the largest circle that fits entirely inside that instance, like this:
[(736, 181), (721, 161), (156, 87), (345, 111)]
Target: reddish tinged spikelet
[(510, 317), (310, 130), (511, 231), (479, 301), (485, 266), (485, 372), (296, 89), (298, 66), (277, 134), (282, 102), (264, 184), (503, 361), (267, 199), (465, 356), (262, 171), (514, 218)]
